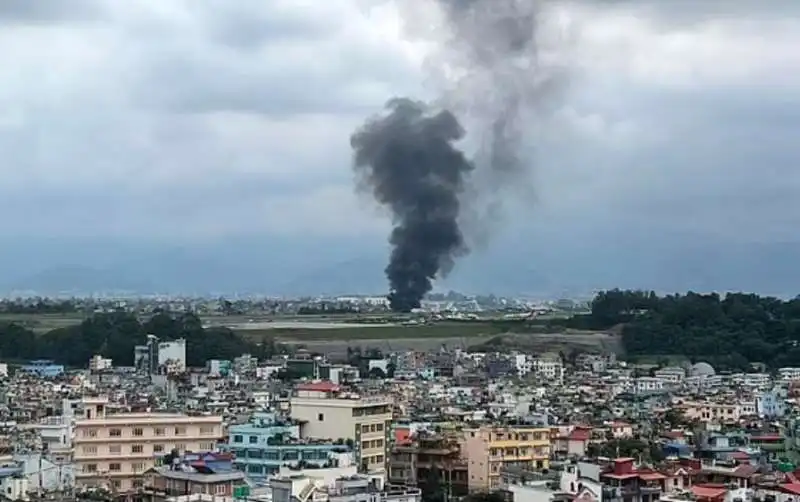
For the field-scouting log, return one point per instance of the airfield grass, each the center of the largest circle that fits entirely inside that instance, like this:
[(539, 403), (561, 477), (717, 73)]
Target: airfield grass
[(42, 323), (390, 332)]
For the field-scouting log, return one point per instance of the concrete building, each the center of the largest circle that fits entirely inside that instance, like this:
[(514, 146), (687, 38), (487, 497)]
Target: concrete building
[(99, 363), (550, 368), (492, 449), (199, 474), (770, 405), (116, 450), (671, 375), (264, 445), (328, 412), (43, 368), (173, 354), (350, 489), (145, 357)]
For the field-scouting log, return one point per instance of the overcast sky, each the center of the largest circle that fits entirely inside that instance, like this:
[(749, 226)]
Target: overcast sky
[(178, 121)]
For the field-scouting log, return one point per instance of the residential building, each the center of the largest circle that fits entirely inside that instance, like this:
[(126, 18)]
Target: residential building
[(99, 363), (206, 473), (264, 445), (770, 405), (671, 375), (429, 462), (350, 489), (549, 367), (173, 354), (43, 368), (647, 385), (491, 449), (145, 357), (116, 450), (789, 373), (329, 412)]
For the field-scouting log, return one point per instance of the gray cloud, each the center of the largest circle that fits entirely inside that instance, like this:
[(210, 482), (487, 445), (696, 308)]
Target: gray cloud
[(25, 11), (178, 121)]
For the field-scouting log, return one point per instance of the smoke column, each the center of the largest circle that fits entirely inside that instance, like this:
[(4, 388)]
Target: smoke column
[(407, 157)]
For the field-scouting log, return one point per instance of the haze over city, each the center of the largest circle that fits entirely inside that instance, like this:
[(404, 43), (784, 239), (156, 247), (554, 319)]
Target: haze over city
[(197, 147)]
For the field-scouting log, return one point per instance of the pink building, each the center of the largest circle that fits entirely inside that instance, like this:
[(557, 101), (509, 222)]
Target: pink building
[(116, 450)]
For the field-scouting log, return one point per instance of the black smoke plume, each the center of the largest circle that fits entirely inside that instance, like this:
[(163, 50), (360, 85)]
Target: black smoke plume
[(408, 159)]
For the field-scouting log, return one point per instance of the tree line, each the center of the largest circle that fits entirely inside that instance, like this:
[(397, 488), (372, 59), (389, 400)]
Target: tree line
[(115, 334), (728, 331)]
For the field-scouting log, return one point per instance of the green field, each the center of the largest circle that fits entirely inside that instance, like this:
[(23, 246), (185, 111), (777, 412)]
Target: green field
[(437, 330), (318, 327), (42, 323)]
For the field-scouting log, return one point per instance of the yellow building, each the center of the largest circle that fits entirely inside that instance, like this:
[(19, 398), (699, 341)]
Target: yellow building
[(328, 412), (115, 450), (490, 449)]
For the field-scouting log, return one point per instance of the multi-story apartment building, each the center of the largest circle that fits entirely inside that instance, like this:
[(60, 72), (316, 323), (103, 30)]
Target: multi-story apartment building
[(789, 373), (328, 412), (265, 444), (115, 450), (490, 450), (550, 367), (430, 461)]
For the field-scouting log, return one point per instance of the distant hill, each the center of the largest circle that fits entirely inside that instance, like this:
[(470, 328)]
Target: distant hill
[(294, 267)]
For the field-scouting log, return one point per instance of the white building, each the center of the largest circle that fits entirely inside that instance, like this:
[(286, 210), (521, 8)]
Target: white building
[(99, 363), (756, 380), (644, 385), (550, 368), (172, 354), (671, 375), (789, 373), (523, 364)]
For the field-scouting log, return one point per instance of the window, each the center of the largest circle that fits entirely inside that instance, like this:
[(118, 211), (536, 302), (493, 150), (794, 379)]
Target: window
[(115, 449), (253, 439), (180, 431), (379, 443), (180, 447), (364, 429), (89, 450), (219, 489), (206, 430), (321, 417), (379, 427), (90, 433), (138, 432), (158, 448), (137, 448), (116, 484), (138, 483), (138, 466), (115, 466), (159, 431), (207, 446), (115, 433), (237, 438), (379, 459), (90, 468)]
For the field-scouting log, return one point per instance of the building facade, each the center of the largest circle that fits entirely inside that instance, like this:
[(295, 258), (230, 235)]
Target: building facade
[(328, 412), (115, 450), (490, 450), (264, 445)]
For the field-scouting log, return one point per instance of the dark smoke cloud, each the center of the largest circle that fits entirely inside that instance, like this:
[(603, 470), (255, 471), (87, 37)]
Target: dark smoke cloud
[(409, 160)]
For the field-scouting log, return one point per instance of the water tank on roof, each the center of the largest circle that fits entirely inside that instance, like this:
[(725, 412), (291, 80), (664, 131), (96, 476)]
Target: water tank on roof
[(703, 369)]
